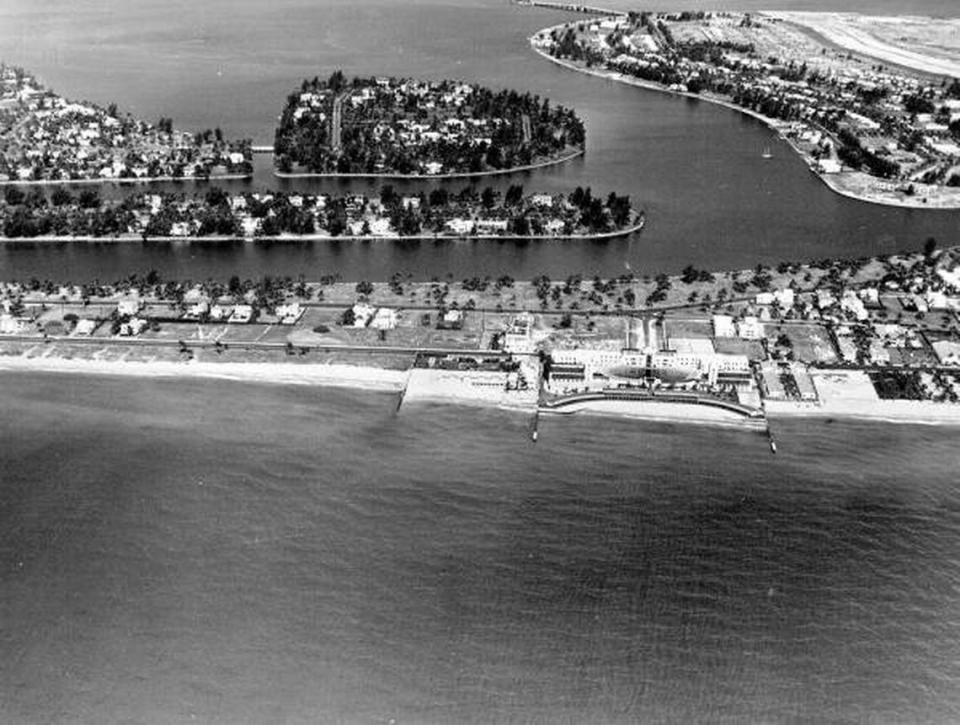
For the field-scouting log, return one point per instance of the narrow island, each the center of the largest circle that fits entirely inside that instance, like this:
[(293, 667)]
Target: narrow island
[(399, 127), (47, 139), (280, 216), (871, 104), (875, 338)]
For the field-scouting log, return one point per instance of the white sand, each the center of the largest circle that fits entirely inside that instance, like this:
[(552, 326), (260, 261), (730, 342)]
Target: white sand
[(890, 411), (850, 394), (276, 373), (471, 388), (860, 35)]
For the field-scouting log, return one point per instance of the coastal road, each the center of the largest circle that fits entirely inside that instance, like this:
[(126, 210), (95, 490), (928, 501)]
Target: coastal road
[(247, 345)]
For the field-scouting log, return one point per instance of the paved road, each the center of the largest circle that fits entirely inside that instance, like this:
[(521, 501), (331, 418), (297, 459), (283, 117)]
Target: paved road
[(247, 345)]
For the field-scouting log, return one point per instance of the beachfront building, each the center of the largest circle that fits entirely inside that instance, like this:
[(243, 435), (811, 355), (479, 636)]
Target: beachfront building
[(691, 362)]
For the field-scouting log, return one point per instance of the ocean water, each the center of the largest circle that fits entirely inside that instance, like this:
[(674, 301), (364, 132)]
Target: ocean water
[(712, 201), (224, 553)]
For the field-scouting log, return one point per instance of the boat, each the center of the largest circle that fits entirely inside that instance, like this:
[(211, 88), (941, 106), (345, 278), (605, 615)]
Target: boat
[(767, 154)]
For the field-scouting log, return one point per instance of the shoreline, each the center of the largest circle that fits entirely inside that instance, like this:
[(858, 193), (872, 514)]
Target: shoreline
[(377, 379), (913, 412), (332, 374), (462, 175), (637, 226), (913, 202)]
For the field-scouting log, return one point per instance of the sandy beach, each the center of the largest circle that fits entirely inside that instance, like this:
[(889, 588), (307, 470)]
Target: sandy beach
[(889, 411), (351, 376), (469, 388), (655, 410), (850, 394), (910, 42)]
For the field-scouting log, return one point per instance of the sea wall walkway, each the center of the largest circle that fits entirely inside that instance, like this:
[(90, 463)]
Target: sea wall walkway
[(647, 396)]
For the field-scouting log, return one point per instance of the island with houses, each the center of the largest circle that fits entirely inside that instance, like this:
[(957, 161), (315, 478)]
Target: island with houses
[(408, 128), (48, 139), (275, 215), (871, 104)]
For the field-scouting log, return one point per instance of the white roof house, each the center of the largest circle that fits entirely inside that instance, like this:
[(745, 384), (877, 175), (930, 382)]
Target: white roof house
[(854, 306), (460, 226), (723, 326), (362, 314), (84, 328), (452, 317), (749, 328), (785, 297), (128, 307), (289, 313), (947, 351), (385, 319), (133, 327), (830, 166), (242, 314), (200, 308)]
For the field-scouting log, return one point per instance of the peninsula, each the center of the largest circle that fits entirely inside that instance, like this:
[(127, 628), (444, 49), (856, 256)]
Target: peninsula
[(45, 139), (874, 120), (276, 215), (394, 127), (875, 338)]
